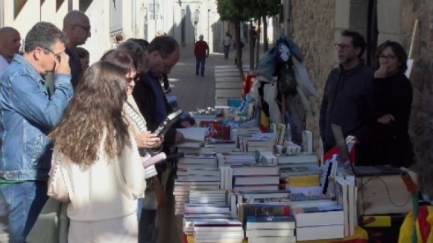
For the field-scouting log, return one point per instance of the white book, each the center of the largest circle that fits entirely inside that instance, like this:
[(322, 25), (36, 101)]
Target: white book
[(320, 232), (285, 239), (342, 197), (269, 232)]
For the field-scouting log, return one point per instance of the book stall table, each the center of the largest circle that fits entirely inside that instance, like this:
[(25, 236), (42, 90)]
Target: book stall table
[(281, 195), (360, 236)]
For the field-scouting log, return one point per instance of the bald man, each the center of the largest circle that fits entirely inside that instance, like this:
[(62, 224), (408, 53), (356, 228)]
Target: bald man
[(10, 43), (76, 26)]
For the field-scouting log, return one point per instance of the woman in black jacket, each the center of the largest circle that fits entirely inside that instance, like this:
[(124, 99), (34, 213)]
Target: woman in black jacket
[(391, 107)]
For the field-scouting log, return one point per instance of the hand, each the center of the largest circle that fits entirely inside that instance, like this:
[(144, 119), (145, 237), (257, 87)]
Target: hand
[(148, 140), (62, 64), (382, 72), (185, 124), (179, 138), (386, 119)]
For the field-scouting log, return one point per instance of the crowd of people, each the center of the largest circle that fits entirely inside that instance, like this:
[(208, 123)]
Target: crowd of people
[(374, 105), (96, 123), (98, 120)]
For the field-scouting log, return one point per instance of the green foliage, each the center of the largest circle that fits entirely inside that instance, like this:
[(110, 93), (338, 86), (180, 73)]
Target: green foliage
[(260, 8), (243, 10), (233, 10)]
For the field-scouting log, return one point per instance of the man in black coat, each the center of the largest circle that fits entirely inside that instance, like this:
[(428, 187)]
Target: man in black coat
[(346, 94), (162, 55)]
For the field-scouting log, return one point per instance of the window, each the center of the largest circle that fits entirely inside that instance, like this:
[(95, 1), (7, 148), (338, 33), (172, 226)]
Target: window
[(153, 10), (116, 23)]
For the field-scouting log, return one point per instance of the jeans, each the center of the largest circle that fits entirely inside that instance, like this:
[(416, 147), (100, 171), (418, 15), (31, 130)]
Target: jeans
[(226, 51), (200, 61), (24, 201)]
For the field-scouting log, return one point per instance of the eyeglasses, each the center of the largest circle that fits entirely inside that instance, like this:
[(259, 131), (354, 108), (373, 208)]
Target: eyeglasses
[(341, 46), (387, 57), (57, 56), (85, 28)]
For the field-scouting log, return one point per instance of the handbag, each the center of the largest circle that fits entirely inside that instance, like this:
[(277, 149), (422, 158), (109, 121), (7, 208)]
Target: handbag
[(59, 183)]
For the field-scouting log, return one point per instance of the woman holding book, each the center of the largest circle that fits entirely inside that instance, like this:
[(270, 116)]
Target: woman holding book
[(132, 60), (100, 155), (391, 106)]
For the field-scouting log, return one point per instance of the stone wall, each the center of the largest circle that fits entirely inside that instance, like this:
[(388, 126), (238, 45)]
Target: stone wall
[(312, 28), (421, 126), (315, 27)]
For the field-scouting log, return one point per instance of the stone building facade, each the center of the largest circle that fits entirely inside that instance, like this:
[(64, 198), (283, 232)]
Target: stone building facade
[(316, 25)]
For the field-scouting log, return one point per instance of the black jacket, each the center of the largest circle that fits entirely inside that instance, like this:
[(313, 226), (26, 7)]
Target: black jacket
[(146, 102), (346, 103), (390, 142), (75, 65)]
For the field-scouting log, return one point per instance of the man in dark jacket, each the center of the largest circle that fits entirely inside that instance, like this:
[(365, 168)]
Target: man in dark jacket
[(162, 54), (345, 98), (76, 26)]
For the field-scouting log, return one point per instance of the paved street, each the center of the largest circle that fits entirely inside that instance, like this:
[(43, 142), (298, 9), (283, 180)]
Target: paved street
[(195, 91), (192, 91)]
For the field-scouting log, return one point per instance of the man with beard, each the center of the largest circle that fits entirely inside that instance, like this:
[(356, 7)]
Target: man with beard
[(345, 98)]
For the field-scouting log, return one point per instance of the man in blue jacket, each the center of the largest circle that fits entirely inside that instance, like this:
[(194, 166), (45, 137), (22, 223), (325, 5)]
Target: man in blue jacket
[(345, 98), (27, 114)]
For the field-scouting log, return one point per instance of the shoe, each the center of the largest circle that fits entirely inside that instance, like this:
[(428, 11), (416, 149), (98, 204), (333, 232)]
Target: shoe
[(196, 74), (167, 90)]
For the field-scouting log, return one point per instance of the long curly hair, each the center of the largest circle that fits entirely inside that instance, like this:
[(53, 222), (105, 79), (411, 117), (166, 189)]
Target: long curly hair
[(95, 112)]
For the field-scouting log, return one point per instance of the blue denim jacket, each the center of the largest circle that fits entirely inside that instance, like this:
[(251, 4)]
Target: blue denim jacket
[(27, 114)]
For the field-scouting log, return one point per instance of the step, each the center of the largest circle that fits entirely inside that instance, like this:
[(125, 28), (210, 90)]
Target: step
[(228, 85), (228, 93), (221, 102), (229, 74), (230, 66), (229, 80)]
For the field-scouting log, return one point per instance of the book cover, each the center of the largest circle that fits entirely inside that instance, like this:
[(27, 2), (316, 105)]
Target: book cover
[(214, 129), (262, 209)]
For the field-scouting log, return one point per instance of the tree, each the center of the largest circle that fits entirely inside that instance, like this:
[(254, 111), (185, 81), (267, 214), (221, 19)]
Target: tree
[(238, 11), (235, 11), (262, 9)]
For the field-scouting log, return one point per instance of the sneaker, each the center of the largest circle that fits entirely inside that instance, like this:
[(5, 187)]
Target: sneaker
[(167, 90)]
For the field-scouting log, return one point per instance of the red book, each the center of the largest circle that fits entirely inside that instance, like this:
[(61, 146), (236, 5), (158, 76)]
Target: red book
[(214, 129)]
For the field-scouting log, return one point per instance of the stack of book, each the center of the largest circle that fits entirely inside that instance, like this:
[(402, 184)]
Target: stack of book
[(218, 231), (183, 188), (253, 177), (222, 146), (299, 171), (235, 158), (198, 167), (207, 196), (346, 195), (319, 223), (266, 229), (189, 219), (257, 141)]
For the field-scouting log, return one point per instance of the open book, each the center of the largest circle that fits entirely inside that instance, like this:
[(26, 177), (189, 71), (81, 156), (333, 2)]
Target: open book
[(194, 137), (168, 122)]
